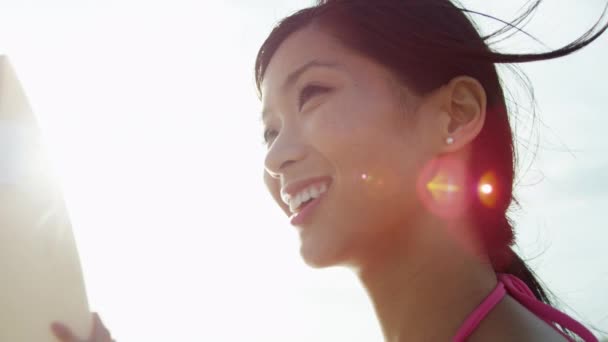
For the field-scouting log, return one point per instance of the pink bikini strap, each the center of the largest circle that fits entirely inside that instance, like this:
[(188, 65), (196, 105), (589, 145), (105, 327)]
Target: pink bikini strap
[(480, 313), (520, 291), (508, 283)]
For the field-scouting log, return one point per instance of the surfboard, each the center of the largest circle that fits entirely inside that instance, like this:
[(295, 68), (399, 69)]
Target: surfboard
[(41, 279)]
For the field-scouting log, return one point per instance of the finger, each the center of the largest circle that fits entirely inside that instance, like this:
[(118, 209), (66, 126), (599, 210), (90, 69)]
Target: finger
[(100, 332), (62, 332)]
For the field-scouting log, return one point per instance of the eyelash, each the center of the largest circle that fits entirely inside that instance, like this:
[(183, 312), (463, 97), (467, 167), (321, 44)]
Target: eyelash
[(308, 92), (305, 94), (266, 138)]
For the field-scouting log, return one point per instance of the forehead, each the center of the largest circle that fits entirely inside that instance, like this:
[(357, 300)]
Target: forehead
[(301, 47)]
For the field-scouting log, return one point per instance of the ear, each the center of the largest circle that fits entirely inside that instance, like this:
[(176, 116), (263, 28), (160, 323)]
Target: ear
[(463, 111)]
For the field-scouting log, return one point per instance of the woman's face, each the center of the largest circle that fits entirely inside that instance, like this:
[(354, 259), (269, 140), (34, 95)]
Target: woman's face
[(337, 120)]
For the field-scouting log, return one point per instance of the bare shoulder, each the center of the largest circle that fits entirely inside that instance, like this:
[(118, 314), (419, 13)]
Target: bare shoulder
[(511, 321)]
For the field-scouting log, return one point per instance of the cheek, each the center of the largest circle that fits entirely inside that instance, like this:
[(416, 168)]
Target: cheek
[(354, 125), (378, 189), (375, 167)]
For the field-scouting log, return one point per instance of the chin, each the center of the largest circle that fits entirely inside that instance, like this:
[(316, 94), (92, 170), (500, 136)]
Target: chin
[(321, 254), (318, 263)]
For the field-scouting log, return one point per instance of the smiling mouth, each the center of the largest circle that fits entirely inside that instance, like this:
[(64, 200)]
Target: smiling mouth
[(302, 214), (304, 204), (305, 195)]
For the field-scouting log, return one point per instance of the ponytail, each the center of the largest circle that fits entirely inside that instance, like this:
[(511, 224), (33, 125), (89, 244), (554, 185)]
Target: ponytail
[(426, 44), (504, 259), (518, 268)]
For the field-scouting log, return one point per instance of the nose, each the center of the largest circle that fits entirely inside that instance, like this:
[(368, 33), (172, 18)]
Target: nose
[(286, 149)]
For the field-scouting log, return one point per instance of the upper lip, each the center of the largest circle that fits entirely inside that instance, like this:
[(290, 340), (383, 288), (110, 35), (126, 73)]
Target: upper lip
[(291, 189)]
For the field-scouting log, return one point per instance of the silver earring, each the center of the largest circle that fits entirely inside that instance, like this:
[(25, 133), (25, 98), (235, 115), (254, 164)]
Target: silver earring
[(449, 140)]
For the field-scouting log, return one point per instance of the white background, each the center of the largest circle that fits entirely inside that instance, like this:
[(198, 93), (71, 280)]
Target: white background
[(150, 114)]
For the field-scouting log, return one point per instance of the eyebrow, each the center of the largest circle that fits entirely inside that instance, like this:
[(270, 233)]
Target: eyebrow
[(295, 75)]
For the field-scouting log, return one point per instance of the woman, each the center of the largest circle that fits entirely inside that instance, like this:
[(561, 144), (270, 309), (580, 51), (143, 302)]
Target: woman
[(390, 148)]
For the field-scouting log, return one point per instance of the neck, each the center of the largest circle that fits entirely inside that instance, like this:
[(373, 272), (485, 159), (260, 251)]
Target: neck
[(424, 288)]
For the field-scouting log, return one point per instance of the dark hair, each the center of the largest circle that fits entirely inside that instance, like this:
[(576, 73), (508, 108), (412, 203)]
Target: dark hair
[(426, 43)]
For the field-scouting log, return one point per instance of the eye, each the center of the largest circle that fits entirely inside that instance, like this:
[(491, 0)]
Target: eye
[(269, 135), (309, 91)]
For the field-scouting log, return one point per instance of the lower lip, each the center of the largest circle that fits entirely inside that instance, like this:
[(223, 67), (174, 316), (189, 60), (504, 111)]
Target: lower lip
[(300, 217)]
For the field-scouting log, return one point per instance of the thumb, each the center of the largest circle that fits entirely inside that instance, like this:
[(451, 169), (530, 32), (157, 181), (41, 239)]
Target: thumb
[(100, 332), (62, 332)]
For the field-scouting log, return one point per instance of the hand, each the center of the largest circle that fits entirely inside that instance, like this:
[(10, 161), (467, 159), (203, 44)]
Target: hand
[(100, 332)]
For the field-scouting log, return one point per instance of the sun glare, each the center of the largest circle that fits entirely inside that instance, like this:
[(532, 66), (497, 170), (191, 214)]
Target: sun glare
[(486, 189)]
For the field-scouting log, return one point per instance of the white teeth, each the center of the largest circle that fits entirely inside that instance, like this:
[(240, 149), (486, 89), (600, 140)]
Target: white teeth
[(323, 188), (313, 191), (305, 195), (293, 204)]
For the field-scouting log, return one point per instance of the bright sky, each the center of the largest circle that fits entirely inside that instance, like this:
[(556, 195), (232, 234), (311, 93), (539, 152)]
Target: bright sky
[(149, 110)]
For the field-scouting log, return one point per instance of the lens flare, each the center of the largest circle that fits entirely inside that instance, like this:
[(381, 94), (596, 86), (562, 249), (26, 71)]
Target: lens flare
[(441, 187), (373, 182), (487, 189)]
